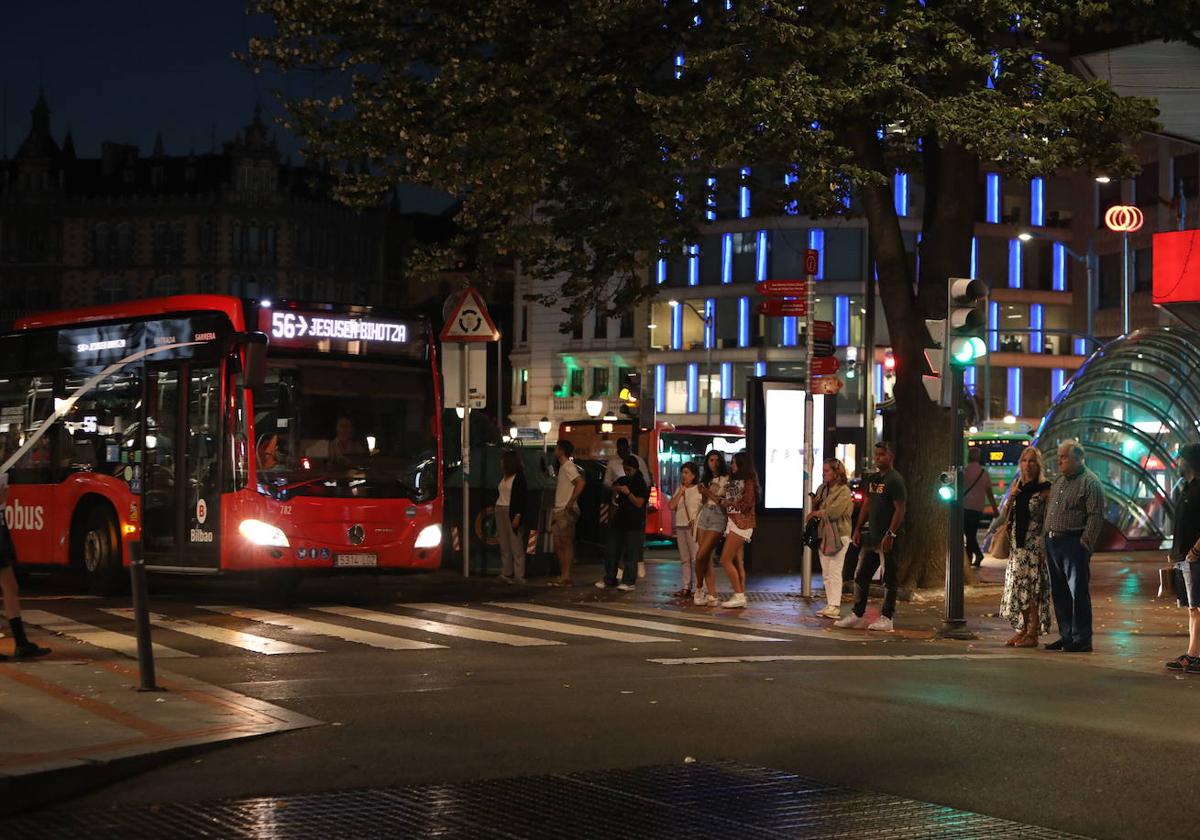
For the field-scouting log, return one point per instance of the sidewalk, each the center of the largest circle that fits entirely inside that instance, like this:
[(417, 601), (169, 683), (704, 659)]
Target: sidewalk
[(71, 724), (1133, 629)]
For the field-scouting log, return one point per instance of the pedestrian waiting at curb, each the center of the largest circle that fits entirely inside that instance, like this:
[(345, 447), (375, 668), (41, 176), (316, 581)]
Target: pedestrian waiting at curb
[(626, 528), (710, 527), (979, 492), (687, 504), (1185, 552), (883, 513), (510, 506), (740, 502), (1026, 599), (568, 485), (1074, 520), (834, 507), (24, 649)]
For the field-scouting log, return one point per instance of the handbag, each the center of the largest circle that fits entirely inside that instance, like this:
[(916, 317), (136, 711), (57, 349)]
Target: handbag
[(812, 534), (1000, 545), (1166, 582), (831, 543)]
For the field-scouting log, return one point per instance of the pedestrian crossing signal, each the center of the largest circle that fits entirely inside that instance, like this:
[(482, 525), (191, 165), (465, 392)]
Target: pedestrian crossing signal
[(947, 486)]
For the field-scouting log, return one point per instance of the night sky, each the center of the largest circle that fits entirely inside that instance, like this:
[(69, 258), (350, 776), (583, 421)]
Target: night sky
[(122, 71)]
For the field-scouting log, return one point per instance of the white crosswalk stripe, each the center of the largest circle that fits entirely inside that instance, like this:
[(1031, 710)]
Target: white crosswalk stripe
[(222, 635), (97, 636), (642, 623), (324, 628), (440, 628), (740, 623), (536, 623)]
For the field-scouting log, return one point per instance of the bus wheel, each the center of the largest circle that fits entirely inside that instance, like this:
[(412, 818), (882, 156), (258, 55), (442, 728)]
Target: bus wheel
[(278, 587), (100, 553)]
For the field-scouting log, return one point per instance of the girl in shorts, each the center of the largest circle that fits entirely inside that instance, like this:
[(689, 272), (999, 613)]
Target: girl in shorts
[(710, 526), (739, 502)]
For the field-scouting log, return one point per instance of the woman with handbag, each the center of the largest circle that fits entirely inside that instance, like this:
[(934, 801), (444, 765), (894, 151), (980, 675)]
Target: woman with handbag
[(686, 503), (1026, 599), (832, 508)]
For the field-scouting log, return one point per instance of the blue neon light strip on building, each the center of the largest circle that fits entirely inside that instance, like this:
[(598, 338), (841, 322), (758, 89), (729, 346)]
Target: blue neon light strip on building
[(677, 327), (660, 387), (760, 368), (662, 272), (711, 200), (1058, 379), (693, 388), (1037, 201), (816, 241), (900, 193), (1014, 263), (841, 320), (744, 196), (1036, 323), (744, 322), (995, 74), (974, 258), (679, 65), (993, 326), (993, 198), (790, 331), (760, 264), (1081, 347), (1058, 267), (1014, 391), (693, 265), (969, 380), (726, 379), (878, 382), (727, 258), (710, 312), (792, 207)]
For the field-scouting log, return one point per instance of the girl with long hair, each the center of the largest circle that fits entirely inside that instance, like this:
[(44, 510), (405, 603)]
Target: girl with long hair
[(834, 506), (740, 502), (687, 503), (710, 526), (1026, 599)]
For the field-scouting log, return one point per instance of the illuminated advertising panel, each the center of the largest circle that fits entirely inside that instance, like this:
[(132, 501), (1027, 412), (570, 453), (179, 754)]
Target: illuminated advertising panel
[(783, 477), (341, 332), (1177, 267), (172, 338)]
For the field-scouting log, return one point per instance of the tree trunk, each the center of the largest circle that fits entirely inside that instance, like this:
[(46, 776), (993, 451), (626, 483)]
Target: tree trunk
[(922, 428)]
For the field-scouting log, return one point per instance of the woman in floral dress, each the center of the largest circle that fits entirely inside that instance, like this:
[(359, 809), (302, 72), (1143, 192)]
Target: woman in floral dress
[(1026, 600)]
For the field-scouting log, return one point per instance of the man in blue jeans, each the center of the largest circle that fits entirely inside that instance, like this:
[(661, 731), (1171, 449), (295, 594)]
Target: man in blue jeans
[(1074, 520), (626, 527)]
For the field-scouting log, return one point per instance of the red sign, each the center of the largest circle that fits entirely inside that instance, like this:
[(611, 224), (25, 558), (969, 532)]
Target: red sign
[(1177, 267), (812, 262), (774, 307), (782, 288), (1123, 219), (470, 321), (826, 385), (823, 365), (822, 330)]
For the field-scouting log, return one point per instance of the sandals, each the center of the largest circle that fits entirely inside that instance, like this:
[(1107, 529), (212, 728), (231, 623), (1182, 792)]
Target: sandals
[(1016, 639)]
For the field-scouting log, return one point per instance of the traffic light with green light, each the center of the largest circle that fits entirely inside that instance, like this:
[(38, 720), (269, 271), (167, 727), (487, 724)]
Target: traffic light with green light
[(947, 486), (965, 320)]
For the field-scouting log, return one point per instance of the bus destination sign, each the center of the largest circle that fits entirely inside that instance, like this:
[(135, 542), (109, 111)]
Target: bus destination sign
[(333, 331)]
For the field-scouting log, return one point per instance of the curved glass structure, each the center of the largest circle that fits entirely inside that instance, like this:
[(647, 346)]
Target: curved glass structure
[(1132, 405)]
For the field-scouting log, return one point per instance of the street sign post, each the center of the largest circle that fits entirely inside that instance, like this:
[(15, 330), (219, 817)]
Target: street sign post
[(828, 385), (468, 323), (782, 288), (822, 330), (775, 307), (812, 262), (822, 348), (824, 365)]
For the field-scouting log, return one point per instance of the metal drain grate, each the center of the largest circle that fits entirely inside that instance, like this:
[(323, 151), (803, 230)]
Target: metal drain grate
[(693, 801)]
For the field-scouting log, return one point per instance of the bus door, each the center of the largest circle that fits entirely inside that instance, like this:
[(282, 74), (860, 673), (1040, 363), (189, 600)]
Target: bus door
[(180, 503)]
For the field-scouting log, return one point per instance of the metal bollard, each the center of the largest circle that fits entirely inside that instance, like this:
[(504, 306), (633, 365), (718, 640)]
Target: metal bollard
[(141, 617)]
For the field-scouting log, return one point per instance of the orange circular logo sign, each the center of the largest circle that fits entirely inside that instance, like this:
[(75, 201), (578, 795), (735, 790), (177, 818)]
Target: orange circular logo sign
[(1123, 218)]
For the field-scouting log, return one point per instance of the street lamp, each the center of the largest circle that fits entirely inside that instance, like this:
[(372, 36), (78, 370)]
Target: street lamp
[(544, 428), (513, 434), (594, 405), (709, 338), (460, 411)]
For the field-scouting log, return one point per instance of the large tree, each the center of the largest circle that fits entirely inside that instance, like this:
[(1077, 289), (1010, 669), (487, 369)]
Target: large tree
[(582, 136)]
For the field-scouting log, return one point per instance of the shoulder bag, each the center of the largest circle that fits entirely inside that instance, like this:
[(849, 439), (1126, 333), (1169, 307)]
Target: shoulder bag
[(1000, 544)]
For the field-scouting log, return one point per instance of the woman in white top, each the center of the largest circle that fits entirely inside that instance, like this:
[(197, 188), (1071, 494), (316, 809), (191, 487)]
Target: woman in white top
[(687, 503), (510, 509)]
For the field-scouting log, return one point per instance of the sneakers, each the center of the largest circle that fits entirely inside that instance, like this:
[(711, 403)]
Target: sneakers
[(30, 651), (506, 579), (712, 601), (601, 585), (736, 602), (830, 612), (700, 598), (852, 622), (883, 624), (1182, 662), (626, 587)]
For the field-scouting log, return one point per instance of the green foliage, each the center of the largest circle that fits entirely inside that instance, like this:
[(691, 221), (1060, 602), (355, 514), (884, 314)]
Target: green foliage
[(564, 129)]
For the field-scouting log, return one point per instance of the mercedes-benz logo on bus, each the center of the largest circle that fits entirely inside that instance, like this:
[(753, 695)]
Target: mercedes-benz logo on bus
[(356, 534)]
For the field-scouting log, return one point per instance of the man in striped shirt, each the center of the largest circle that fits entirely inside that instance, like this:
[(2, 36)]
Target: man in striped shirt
[(1074, 519)]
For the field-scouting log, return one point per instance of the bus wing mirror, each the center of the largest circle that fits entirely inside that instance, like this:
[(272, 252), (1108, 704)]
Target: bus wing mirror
[(254, 346)]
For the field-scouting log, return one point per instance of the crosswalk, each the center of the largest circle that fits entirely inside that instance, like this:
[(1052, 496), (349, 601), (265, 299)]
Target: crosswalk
[(401, 628)]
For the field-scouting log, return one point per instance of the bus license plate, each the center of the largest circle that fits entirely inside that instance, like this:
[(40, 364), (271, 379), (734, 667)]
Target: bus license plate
[(352, 560)]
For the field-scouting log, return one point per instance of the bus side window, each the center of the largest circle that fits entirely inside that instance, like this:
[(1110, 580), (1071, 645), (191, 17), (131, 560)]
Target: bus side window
[(25, 402), (236, 434)]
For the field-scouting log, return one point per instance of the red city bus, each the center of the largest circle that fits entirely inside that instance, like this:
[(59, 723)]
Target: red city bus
[(665, 448), (226, 435)]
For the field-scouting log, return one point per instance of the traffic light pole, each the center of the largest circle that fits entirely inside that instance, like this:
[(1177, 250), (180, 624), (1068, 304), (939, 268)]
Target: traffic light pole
[(954, 625)]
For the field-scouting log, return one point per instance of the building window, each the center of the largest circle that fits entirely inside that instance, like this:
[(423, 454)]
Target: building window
[(600, 383), (521, 389), (626, 324), (1145, 186), (112, 289), (1142, 261), (745, 256), (601, 325), (575, 382), (1109, 281), (1185, 172), (125, 243), (711, 259), (577, 329)]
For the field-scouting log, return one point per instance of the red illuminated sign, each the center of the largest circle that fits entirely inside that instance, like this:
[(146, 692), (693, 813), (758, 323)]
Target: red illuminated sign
[(1177, 267)]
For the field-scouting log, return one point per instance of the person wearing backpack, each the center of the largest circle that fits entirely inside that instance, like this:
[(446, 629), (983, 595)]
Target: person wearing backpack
[(979, 492)]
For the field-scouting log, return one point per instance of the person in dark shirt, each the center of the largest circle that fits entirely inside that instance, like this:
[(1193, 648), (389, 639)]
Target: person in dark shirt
[(626, 527), (1185, 552)]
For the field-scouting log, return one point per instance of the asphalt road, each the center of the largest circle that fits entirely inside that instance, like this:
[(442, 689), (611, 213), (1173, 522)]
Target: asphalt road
[(1056, 741)]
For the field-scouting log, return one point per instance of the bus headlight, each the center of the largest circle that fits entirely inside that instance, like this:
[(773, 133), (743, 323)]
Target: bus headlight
[(430, 537), (262, 533)]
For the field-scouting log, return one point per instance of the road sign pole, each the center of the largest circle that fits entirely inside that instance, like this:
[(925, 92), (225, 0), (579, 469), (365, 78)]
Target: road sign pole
[(809, 403), (955, 624), (465, 392)]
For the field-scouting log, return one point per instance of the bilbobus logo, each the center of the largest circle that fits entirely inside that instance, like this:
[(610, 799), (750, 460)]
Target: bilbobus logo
[(21, 517)]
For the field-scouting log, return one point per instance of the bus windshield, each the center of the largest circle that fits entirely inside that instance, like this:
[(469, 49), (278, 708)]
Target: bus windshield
[(677, 448), (1000, 452), (361, 431)]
